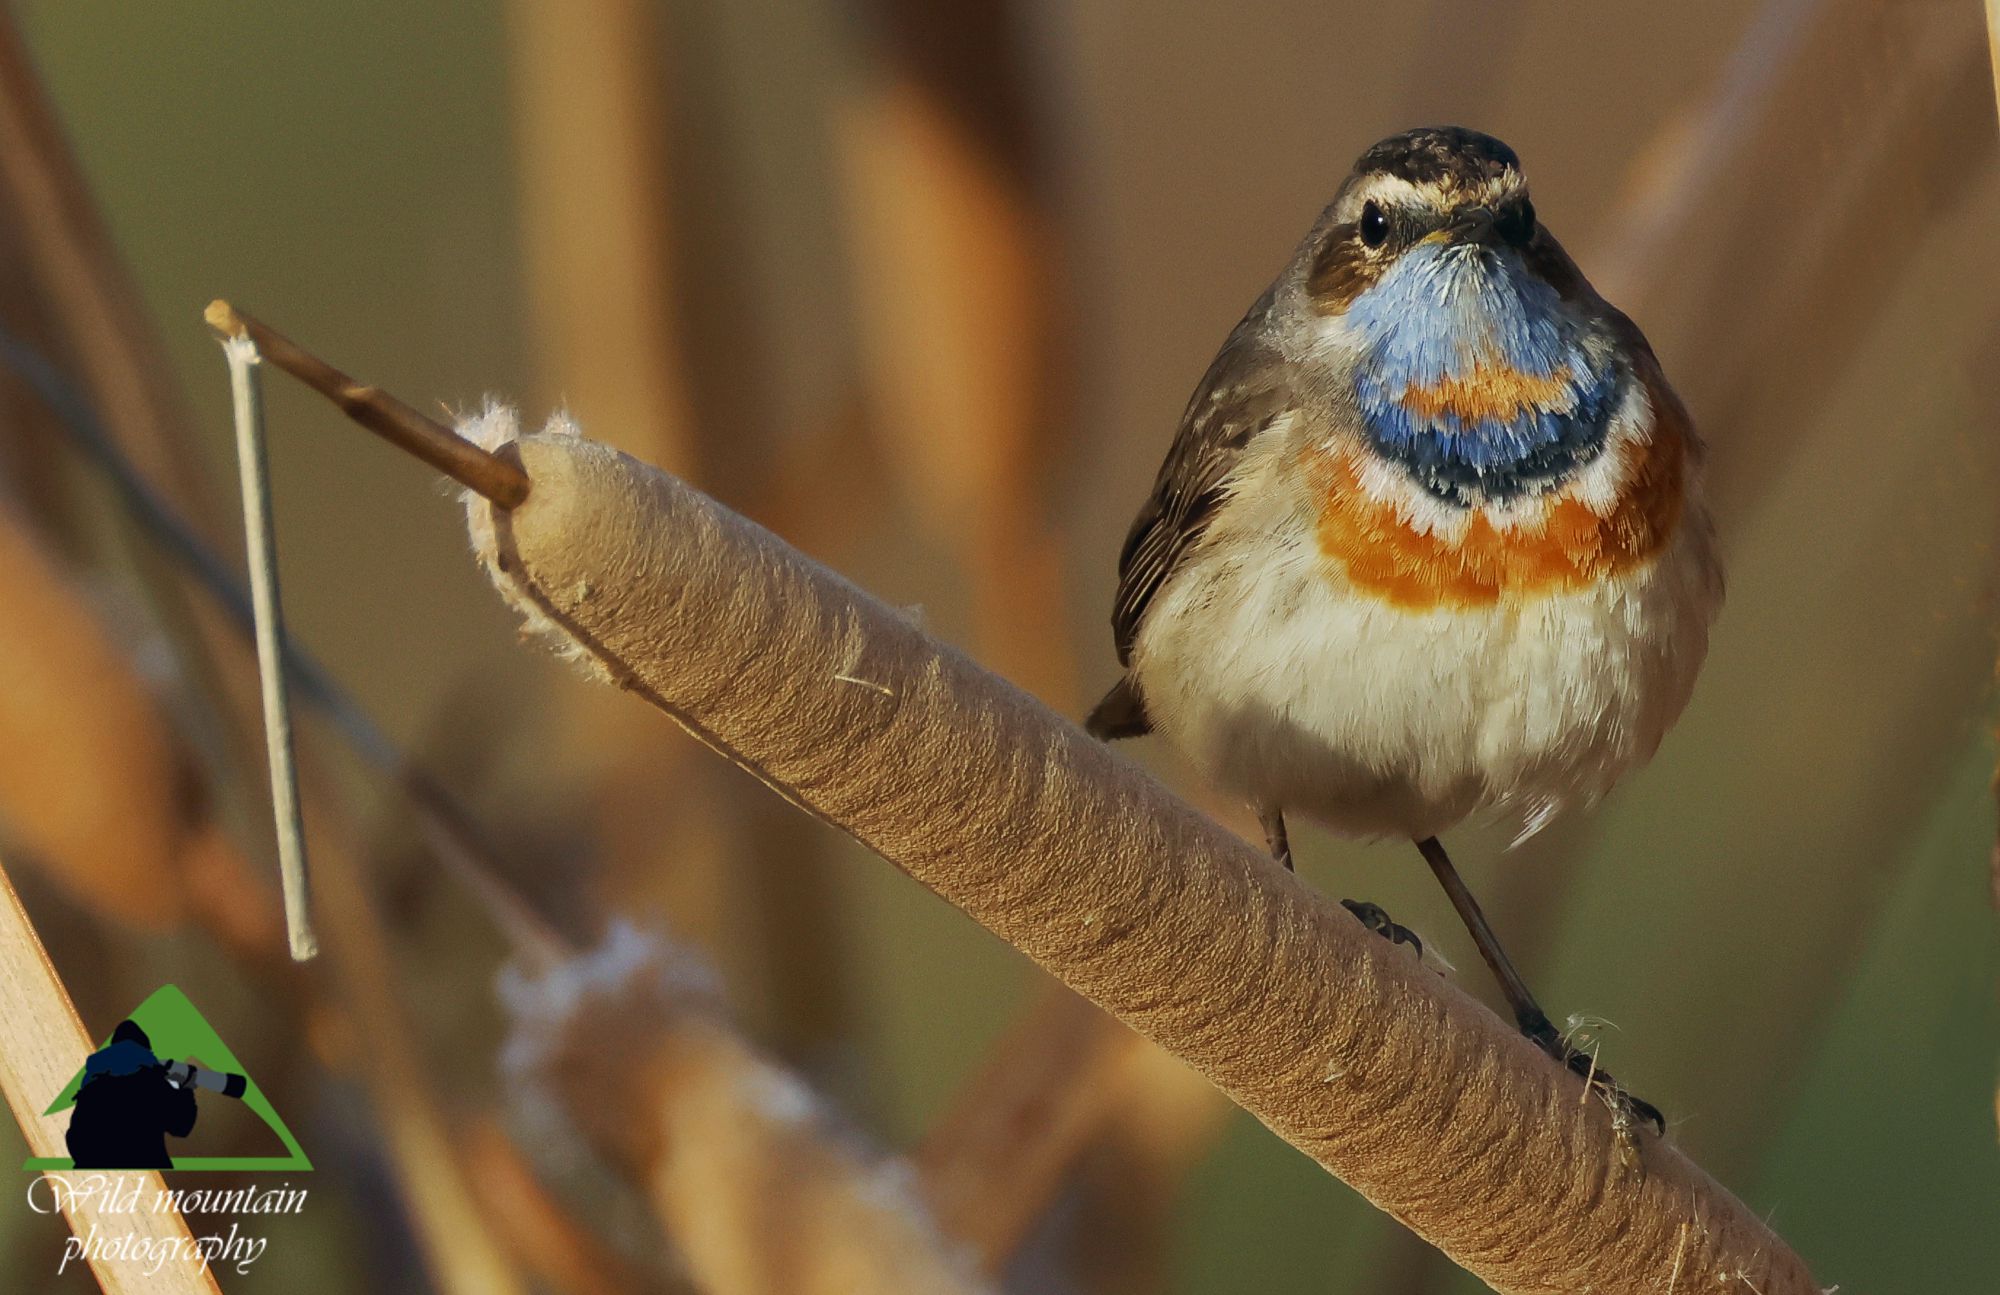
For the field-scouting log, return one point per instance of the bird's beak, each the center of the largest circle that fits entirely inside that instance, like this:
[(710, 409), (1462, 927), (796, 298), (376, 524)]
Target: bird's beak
[(1472, 225)]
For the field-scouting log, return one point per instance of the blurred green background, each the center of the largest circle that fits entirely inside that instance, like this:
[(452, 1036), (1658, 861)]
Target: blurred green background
[(924, 289)]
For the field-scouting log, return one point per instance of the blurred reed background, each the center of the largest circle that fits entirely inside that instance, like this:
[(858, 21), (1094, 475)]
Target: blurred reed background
[(923, 288)]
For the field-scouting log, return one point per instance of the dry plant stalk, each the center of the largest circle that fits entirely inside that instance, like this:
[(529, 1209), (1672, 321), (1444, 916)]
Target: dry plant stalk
[(952, 276), (1122, 1237), (1673, 186), (96, 307), (1389, 1077), (371, 407), (1007, 1143), (1993, 41), (1993, 53), (761, 1189), (93, 782), (46, 1043), (1068, 1088), (460, 1252), (253, 462), (562, 1255), (764, 1201), (590, 124)]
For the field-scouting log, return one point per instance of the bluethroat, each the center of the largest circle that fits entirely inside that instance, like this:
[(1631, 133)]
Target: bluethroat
[(1430, 543)]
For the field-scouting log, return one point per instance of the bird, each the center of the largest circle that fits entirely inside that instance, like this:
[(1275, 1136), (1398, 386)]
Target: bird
[(1430, 543)]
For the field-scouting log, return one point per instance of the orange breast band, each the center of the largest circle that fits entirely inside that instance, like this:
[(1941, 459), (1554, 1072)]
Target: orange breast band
[(1498, 393), (1569, 546)]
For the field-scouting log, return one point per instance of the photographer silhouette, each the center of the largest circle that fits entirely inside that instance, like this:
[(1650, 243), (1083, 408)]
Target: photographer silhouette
[(127, 1106)]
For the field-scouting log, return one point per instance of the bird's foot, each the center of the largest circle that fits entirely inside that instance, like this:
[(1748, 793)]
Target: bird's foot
[(1372, 917), (1628, 1113)]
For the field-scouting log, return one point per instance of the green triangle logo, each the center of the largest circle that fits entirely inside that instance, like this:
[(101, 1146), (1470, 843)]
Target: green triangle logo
[(177, 1030)]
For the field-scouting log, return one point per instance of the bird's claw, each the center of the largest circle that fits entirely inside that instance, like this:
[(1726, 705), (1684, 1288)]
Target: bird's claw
[(1628, 1113), (1621, 1102), (1372, 917)]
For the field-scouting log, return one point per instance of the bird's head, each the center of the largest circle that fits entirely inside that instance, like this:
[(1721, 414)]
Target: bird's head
[(1437, 194), (1481, 360)]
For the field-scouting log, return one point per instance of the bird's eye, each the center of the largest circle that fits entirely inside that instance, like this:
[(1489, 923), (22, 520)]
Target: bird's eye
[(1517, 223), (1374, 225)]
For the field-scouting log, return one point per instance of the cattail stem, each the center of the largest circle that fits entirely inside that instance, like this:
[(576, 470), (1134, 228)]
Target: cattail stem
[(1390, 1077), (379, 412)]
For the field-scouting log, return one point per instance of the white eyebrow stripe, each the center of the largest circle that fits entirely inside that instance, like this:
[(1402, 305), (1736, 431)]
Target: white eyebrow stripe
[(1394, 191)]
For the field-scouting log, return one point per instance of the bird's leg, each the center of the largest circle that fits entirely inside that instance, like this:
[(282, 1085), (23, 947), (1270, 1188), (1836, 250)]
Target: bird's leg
[(1528, 1014), (1370, 915)]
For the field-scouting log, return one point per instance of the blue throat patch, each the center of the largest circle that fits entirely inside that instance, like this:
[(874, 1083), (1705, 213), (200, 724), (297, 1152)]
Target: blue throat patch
[(1474, 380)]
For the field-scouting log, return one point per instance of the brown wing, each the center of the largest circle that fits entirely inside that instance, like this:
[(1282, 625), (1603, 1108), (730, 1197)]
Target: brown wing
[(1243, 394)]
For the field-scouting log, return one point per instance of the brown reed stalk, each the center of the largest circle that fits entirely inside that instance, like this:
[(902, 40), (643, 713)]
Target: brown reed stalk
[(94, 784), (954, 266), (1129, 1186), (1685, 170), (591, 124), (461, 1254), (561, 1254), (83, 280), (372, 407), (760, 1188), (1902, 168), (1013, 1132), (1993, 41), (45, 1046)]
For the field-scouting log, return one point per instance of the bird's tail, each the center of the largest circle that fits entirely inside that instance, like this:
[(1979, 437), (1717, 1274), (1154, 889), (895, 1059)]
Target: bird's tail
[(1122, 713)]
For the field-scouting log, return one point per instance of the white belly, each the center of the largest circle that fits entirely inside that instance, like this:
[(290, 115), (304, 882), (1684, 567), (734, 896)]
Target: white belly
[(1304, 695)]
